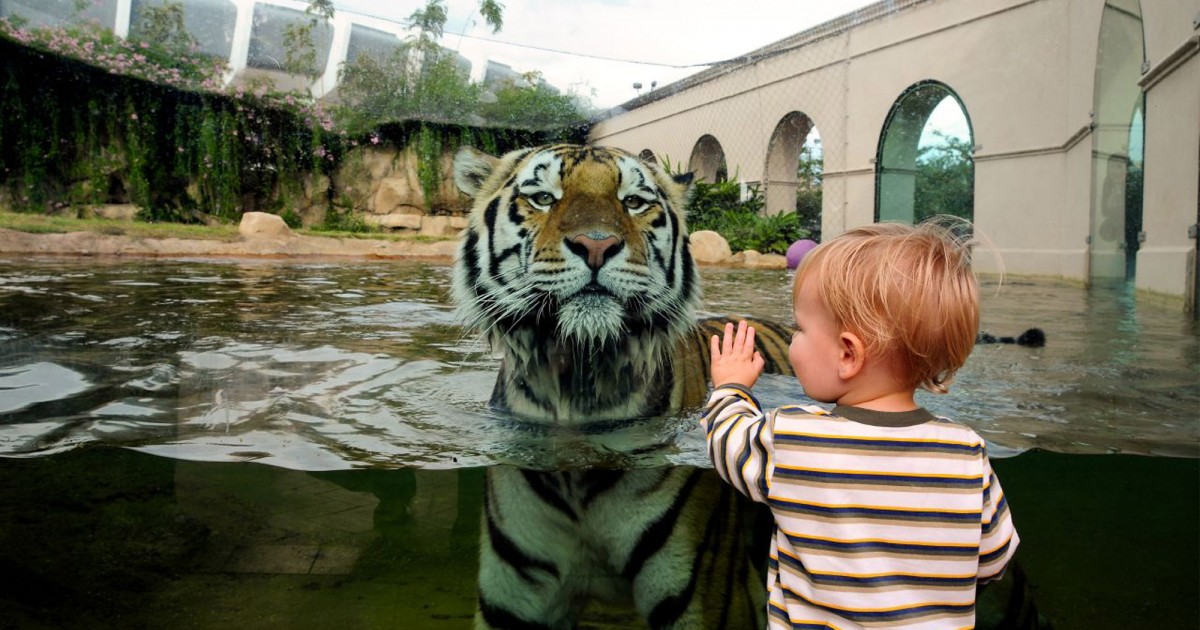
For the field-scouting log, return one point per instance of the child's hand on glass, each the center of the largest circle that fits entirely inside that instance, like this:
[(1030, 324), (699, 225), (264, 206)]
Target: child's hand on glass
[(734, 359)]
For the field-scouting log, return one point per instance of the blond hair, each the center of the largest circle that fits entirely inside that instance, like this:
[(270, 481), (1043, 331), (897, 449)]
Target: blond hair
[(906, 290)]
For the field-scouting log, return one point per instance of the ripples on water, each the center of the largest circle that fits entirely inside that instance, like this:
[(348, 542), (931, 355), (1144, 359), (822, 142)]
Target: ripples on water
[(318, 366)]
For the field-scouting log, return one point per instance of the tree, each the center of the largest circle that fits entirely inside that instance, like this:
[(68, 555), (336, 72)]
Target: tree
[(531, 102), (422, 80), (945, 179), (431, 19), (298, 40), (162, 26), (418, 80), (808, 190)]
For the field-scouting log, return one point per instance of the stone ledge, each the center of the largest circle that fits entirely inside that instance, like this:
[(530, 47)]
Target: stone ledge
[(95, 244)]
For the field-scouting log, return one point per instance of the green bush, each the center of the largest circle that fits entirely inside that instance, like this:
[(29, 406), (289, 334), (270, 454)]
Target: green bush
[(344, 220), (291, 218), (719, 207)]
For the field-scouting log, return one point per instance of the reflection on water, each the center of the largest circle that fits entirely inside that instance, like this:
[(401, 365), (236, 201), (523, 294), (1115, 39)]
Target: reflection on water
[(323, 366), (354, 383)]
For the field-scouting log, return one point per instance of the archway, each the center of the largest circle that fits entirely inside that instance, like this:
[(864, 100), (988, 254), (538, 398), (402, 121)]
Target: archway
[(707, 161), (924, 164), (795, 163), (1116, 217)]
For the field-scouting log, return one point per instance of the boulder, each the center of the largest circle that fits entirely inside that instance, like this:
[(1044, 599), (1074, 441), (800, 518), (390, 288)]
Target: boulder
[(439, 226), (379, 162), (313, 215), (116, 211), (394, 221), (709, 247), (315, 188), (263, 225), (746, 258), (768, 261), (397, 192)]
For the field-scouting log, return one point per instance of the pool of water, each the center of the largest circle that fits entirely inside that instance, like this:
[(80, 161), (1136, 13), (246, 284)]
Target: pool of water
[(140, 400)]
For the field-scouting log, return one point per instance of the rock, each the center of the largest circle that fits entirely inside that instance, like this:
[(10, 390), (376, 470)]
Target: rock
[(768, 261), (748, 258), (395, 192), (116, 211), (378, 161), (394, 221), (316, 188), (263, 225), (313, 215), (92, 244), (438, 226), (709, 247)]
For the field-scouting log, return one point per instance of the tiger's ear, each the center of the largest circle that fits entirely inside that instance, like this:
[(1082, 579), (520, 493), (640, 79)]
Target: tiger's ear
[(685, 184), (471, 169)]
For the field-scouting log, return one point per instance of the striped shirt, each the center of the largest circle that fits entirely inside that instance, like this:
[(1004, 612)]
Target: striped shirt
[(881, 519)]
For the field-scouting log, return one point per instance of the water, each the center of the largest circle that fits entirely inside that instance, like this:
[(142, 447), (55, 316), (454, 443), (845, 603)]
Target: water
[(133, 394)]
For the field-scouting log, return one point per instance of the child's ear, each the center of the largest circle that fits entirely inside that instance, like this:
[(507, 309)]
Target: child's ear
[(853, 356)]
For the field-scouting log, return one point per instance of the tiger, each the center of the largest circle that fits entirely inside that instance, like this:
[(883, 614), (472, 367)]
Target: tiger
[(575, 269)]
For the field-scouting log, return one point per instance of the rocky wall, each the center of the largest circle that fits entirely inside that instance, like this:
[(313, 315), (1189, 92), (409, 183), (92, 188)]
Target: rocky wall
[(381, 185)]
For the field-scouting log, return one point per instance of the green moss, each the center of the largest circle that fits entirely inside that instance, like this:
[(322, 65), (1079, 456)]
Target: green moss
[(429, 159)]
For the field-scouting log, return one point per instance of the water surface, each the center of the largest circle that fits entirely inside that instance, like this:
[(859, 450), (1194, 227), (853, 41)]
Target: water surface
[(319, 366)]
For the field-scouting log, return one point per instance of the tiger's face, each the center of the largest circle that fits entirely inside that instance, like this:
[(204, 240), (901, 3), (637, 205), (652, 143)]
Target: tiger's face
[(581, 244)]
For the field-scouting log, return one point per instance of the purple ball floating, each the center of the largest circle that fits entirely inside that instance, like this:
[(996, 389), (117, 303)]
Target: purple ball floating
[(797, 250)]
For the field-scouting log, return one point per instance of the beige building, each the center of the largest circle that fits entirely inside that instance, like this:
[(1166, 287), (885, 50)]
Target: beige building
[(1056, 94)]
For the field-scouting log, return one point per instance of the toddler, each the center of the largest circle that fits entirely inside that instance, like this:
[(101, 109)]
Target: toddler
[(885, 515)]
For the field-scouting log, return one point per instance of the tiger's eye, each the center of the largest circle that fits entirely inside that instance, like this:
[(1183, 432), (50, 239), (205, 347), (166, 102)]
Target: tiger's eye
[(634, 202), (542, 199)]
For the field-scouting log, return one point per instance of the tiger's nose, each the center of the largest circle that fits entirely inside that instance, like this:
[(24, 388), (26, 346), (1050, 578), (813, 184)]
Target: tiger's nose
[(595, 251)]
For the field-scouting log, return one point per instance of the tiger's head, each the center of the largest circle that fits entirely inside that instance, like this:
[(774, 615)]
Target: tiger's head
[(576, 244)]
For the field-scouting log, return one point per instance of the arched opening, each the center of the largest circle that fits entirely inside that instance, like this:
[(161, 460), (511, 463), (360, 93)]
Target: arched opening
[(924, 165), (795, 163), (648, 156), (1117, 132), (707, 161)]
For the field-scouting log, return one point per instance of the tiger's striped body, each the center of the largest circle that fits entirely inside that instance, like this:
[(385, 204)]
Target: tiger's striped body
[(575, 267)]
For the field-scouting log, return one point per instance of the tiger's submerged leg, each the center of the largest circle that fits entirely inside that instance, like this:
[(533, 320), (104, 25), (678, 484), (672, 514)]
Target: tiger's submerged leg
[(678, 540)]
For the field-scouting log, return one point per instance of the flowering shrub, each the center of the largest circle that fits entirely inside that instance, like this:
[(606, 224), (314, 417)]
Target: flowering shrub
[(92, 44)]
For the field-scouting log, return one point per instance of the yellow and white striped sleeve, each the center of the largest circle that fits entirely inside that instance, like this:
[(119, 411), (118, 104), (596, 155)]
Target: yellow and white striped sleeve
[(740, 440), (998, 540)]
